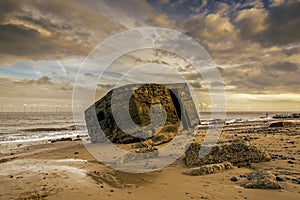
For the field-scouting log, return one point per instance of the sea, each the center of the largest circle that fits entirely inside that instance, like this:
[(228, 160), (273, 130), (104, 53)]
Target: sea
[(16, 127)]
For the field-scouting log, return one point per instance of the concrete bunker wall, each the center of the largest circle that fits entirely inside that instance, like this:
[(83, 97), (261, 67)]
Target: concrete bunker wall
[(175, 98)]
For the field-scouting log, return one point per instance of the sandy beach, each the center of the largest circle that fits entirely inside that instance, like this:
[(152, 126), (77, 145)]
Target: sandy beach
[(149, 99), (66, 170)]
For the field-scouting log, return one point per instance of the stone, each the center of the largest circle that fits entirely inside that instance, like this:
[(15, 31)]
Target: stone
[(233, 179), (280, 178), (294, 180), (238, 152), (281, 124), (261, 180), (209, 169), (174, 98), (290, 162)]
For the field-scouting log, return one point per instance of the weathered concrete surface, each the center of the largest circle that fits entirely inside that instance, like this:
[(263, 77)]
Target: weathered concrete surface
[(261, 180), (175, 98), (209, 169), (238, 152)]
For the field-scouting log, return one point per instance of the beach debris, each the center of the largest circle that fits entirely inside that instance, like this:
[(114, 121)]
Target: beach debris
[(209, 169), (290, 162), (77, 138), (36, 196), (61, 140), (280, 178), (3, 160), (233, 179), (281, 124), (281, 157), (238, 153), (175, 99), (261, 180), (243, 176)]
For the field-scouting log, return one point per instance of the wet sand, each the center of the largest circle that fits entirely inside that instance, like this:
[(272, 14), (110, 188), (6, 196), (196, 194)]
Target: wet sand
[(66, 170)]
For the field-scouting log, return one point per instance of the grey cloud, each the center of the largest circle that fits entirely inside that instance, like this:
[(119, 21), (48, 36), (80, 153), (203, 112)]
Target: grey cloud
[(44, 80), (291, 51), (283, 25), (22, 41), (273, 78), (43, 22), (35, 30), (89, 74), (66, 87), (284, 66), (6, 7), (105, 86), (196, 84), (216, 84)]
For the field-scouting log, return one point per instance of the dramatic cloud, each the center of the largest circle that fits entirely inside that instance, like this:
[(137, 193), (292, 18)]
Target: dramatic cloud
[(284, 24), (251, 21), (36, 30), (255, 43)]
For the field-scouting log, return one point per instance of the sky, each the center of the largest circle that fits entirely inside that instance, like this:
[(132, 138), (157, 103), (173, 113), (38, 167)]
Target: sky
[(254, 44)]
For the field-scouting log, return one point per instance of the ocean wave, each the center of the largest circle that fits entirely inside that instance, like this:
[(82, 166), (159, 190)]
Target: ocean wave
[(17, 138)]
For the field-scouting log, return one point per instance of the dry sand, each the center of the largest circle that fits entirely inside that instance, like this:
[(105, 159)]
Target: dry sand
[(66, 170)]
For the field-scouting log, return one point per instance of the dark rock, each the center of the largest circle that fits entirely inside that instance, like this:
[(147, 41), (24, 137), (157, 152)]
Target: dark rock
[(294, 180), (291, 142), (111, 190), (280, 179), (281, 124), (290, 162), (61, 140), (66, 139), (76, 153), (233, 179), (175, 98)]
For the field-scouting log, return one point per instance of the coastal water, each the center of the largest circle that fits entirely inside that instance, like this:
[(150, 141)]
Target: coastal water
[(34, 126)]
